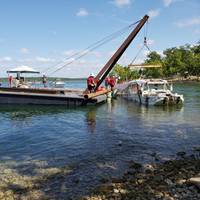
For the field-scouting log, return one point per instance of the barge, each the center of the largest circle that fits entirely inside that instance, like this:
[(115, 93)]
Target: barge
[(43, 96), (23, 94)]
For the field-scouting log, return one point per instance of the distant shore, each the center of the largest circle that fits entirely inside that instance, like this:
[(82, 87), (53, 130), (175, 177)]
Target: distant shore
[(49, 78), (174, 79), (182, 79)]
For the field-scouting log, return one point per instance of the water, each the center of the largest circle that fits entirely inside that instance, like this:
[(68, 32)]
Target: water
[(36, 84), (95, 142)]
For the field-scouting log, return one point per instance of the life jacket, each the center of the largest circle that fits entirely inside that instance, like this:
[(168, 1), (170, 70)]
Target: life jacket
[(112, 82), (107, 80), (90, 81)]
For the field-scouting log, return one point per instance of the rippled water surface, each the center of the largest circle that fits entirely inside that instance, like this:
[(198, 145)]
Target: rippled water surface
[(95, 142)]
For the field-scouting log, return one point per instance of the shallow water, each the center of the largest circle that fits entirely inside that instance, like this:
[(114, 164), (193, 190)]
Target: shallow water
[(95, 142)]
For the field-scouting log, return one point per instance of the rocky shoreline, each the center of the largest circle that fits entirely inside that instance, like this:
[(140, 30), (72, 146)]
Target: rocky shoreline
[(177, 179)]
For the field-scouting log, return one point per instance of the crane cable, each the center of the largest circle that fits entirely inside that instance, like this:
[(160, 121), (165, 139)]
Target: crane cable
[(145, 38), (93, 47), (144, 45)]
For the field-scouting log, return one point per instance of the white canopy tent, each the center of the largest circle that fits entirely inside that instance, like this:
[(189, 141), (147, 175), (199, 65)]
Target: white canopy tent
[(23, 69)]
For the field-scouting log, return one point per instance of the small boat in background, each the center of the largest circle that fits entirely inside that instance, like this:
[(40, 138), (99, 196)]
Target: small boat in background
[(59, 84), (151, 92)]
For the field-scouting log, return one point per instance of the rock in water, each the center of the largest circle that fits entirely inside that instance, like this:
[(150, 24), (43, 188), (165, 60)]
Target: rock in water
[(195, 181)]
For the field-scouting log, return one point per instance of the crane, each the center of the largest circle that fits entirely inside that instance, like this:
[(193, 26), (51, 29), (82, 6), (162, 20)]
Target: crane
[(113, 60)]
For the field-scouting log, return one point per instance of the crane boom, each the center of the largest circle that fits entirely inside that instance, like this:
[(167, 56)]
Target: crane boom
[(113, 60)]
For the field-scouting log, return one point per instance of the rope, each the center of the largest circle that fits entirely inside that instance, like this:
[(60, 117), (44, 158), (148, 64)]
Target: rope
[(144, 44), (93, 47), (137, 55)]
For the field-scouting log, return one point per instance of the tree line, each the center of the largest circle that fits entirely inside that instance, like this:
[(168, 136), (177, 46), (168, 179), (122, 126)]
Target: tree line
[(180, 61)]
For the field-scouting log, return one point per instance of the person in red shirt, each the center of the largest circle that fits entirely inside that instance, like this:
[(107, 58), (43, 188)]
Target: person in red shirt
[(112, 82), (91, 83), (107, 80), (10, 80)]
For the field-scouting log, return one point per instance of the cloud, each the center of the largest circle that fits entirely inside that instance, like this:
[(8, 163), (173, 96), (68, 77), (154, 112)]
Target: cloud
[(24, 50), (82, 12), (68, 60), (160, 52), (150, 42), (146, 52), (153, 13), (96, 54), (44, 60), (6, 59), (69, 52), (188, 22), (25, 60), (167, 2), (121, 3)]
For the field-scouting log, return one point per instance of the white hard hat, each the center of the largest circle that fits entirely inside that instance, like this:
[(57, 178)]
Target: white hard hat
[(92, 74)]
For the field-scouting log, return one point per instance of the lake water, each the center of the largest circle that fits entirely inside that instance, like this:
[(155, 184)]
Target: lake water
[(94, 142)]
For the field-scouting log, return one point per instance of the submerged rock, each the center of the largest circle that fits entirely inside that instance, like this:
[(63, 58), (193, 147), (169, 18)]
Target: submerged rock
[(195, 181), (181, 153), (170, 180)]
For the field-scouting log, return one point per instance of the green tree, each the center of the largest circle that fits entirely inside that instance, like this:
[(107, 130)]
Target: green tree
[(173, 64), (125, 73), (153, 58), (176, 61), (196, 60)]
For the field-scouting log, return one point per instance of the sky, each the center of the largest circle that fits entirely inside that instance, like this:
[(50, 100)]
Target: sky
[(45, 34)]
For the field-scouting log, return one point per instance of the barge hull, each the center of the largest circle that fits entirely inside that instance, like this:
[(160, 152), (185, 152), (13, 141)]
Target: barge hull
[(39, 99)]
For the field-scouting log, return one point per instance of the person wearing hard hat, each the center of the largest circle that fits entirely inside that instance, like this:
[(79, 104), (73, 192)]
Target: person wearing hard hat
[(91, 83)]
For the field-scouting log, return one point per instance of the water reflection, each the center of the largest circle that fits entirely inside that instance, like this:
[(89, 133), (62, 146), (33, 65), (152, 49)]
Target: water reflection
[(110, 105), (23, 112), (152, 112), (91, 119)]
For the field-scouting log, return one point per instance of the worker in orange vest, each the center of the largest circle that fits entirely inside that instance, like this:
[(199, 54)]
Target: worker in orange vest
[(91, 83), (112, 82)]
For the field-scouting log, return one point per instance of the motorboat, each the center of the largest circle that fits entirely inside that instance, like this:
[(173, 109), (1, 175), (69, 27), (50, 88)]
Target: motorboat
[(151, 92), (59, 84)]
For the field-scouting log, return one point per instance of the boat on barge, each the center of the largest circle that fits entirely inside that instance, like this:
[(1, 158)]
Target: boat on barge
[(151, 92)]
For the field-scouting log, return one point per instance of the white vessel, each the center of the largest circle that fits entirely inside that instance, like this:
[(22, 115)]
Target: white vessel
[(151, 92), (59, 84)]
